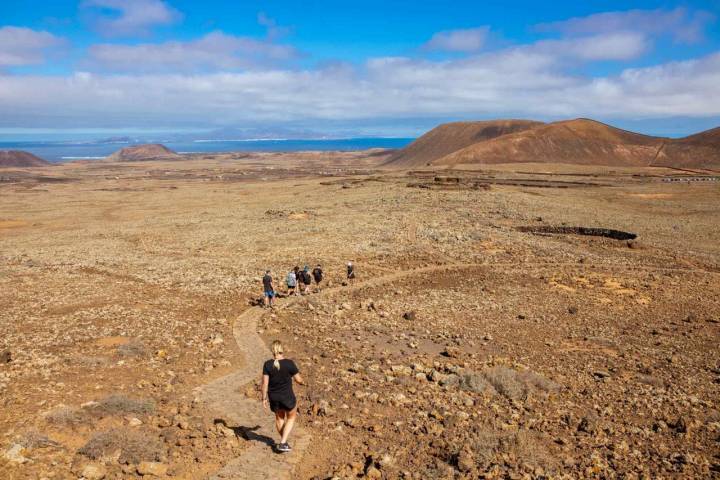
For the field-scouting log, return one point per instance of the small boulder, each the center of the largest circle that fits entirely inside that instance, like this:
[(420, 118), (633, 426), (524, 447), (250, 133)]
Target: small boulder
[(588, 424), (465, 461), (5, 356), (14, 454), (410, 316), (451, 352), (94, 471), (155, 469)]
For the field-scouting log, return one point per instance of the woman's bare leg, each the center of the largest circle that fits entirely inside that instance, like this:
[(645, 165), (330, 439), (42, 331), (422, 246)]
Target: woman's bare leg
[(280, 421), (289, 424)]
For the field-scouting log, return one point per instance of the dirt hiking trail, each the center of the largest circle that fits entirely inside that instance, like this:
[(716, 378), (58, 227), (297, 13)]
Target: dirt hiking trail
[(247, 417)]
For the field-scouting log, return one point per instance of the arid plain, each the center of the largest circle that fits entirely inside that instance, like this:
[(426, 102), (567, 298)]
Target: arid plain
[(476, 342)]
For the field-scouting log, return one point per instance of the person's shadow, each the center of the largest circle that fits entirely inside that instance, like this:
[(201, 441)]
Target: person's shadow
[(248, 433)]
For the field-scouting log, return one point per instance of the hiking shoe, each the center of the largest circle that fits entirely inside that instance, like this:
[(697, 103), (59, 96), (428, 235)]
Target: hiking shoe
[(283, 447)]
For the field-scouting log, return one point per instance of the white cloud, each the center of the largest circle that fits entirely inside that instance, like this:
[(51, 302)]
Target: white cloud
[(467, 40), (610, 46), (130, 17), (214, 51), (513, 82), (680, 23), (23, 46)]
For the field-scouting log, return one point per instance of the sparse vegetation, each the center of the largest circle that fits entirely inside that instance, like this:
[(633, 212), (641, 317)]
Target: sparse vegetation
[(514, 384), (133, 446), (134, 348), (122, 405), (66, 416), (35, 439)]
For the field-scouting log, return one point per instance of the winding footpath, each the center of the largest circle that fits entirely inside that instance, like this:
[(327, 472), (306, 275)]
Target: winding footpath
[(226, 399)]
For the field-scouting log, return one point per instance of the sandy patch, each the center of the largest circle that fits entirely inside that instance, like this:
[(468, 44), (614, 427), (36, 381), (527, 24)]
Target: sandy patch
[(652, 196), (12, 224), (112, 341)]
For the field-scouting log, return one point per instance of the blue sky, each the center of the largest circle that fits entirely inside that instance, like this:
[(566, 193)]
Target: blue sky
[(371, 67)]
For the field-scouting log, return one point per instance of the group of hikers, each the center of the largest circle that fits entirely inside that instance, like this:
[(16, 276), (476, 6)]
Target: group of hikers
[(298, 282), (279, 372)]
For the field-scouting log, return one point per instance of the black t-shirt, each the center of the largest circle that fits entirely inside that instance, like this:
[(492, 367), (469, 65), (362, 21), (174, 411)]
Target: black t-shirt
[(318, 274), (306, 278), (280, 385), (267, 282)]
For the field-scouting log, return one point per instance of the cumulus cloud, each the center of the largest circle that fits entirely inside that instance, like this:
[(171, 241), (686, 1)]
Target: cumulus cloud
[(229, 79), (214, 51), (683, 25), (610, 46), (514, 82), (129, 17), (466, 40), (23, 46)]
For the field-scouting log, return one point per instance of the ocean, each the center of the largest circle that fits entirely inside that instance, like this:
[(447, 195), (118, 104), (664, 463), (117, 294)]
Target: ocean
[(68, 150)]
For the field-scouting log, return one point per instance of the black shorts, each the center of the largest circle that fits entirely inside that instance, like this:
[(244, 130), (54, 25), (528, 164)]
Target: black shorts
[(282, 403)]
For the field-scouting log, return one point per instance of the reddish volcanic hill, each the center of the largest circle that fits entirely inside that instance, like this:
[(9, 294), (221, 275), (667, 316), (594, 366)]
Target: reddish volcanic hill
[(138, 153), (450, 137), (580, 141), (18, 158), (696, 151), (575, 141)]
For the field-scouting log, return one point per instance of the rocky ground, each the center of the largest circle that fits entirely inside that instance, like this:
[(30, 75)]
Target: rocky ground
[(466, 348)]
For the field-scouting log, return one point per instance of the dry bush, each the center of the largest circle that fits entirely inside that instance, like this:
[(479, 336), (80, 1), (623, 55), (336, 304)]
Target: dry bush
[(527, 447), (516, 385), (122, 405), (35, 439), (134, 348), (134, 446), (651, 380), (505, 381), (490, 446), (86, 361), (537, 381), (475, 382), (66, 417)]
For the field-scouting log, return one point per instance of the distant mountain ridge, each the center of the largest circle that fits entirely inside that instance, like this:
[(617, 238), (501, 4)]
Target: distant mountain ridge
[(450, 137), (580, 141), (21, 159)]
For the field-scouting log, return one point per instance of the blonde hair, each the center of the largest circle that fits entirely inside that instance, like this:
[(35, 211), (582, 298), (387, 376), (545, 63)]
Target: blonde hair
[(277, 349)]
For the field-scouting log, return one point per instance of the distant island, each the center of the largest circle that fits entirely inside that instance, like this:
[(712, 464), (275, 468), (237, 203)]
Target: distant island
[(20, 159), (137, 153)]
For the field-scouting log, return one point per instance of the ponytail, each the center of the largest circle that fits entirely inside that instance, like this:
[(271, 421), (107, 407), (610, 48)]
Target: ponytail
[(277, 350)]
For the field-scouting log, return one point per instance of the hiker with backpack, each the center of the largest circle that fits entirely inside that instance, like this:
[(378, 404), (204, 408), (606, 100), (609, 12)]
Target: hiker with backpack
[(277, 393), (350, 272), (291, 283), (317, 274), (306, 279), (268, 290)]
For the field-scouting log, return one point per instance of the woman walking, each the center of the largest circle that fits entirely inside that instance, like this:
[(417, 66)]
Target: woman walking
[(277, 393)]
